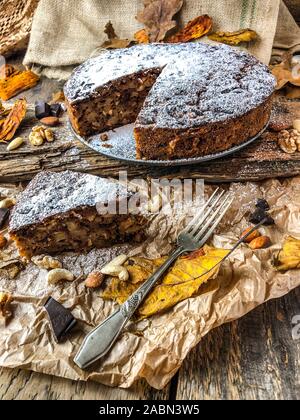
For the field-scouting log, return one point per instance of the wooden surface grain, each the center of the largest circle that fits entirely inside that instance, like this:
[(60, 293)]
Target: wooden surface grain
[(252, 358), (261, 160)]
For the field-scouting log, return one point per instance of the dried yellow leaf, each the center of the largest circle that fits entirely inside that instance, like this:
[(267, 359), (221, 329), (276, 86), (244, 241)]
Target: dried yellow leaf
[(15, 81), (181, 282), (234, 38), (289, 257), (142, 37)]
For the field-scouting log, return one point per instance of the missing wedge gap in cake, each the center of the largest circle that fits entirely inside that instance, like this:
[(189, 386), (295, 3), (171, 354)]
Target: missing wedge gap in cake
[(115, 105)]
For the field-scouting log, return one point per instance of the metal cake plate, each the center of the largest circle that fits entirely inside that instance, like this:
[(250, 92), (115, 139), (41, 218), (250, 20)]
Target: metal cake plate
[(121, 146)]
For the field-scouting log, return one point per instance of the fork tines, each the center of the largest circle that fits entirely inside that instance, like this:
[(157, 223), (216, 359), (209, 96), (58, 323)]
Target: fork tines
[(207, 219)]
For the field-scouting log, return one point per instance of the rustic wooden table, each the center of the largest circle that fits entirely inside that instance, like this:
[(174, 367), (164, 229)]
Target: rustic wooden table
[(252, 358)]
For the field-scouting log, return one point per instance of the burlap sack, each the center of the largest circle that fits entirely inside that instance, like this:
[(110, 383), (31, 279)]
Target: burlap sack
[(65, 33)]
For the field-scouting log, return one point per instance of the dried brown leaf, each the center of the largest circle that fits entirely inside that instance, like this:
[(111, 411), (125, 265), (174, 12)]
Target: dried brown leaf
[(286, 72), (114, 41), (195, 29), (13, 120), (157, 16), (110, 31), (234, 38)]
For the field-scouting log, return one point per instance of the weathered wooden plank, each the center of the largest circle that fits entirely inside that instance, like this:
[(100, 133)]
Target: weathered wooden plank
[(263, 159), (16, 384), (253, 358)]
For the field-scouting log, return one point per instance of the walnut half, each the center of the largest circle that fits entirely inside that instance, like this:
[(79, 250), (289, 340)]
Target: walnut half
[(289, 141)]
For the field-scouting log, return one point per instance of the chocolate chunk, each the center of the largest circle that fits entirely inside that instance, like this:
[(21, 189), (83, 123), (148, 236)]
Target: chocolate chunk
[(61, 319), (55, 110), (3, 216), (259, 215), (42, 109), (262, 204)]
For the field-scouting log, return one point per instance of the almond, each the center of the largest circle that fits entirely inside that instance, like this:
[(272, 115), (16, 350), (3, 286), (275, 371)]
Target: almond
[(50, 121), (260, 242), (94, 279), (255, 234)]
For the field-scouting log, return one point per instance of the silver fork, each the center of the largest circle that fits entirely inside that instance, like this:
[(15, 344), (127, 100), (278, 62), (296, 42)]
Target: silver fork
[(100, 340)]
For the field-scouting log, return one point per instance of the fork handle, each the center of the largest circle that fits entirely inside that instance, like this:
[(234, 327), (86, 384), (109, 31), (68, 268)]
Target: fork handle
[(100, 340)]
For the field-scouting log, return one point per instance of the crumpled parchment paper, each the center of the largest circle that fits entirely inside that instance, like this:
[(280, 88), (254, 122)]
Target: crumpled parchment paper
[(154, 348)]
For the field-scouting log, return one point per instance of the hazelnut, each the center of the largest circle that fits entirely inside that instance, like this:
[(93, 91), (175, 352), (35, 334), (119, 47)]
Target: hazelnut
[(94, 279), (260, 242), (255, 234)]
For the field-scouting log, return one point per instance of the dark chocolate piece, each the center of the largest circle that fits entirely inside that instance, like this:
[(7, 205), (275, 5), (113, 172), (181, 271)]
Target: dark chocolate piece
[(3, 216), (259, 215), (41, 109), (262, 204), (55, 110), (61, 319)]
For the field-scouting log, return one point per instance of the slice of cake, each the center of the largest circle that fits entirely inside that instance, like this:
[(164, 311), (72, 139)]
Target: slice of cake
[(60, 211), (186, 100)]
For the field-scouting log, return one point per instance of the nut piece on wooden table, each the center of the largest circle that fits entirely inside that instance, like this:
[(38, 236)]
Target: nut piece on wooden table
[(296, 125), (36, 139), (14, 144), (289, 141), (50, 121)]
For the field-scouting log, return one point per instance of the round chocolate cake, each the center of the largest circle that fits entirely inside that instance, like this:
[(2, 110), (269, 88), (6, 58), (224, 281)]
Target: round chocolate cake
[(186, 100)]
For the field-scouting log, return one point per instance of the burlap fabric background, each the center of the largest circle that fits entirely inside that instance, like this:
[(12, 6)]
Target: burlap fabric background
[(65, 33)]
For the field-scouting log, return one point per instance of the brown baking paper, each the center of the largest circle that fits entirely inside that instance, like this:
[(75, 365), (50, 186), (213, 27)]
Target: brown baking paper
[(154, 348)]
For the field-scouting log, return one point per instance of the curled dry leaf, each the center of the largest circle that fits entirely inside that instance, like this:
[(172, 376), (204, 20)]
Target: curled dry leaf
[(15, 81), (113, 40), (195, 29), (157, 16), (289, 257), (181, 282), (234, 38), (286, 72), (13, 120)]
